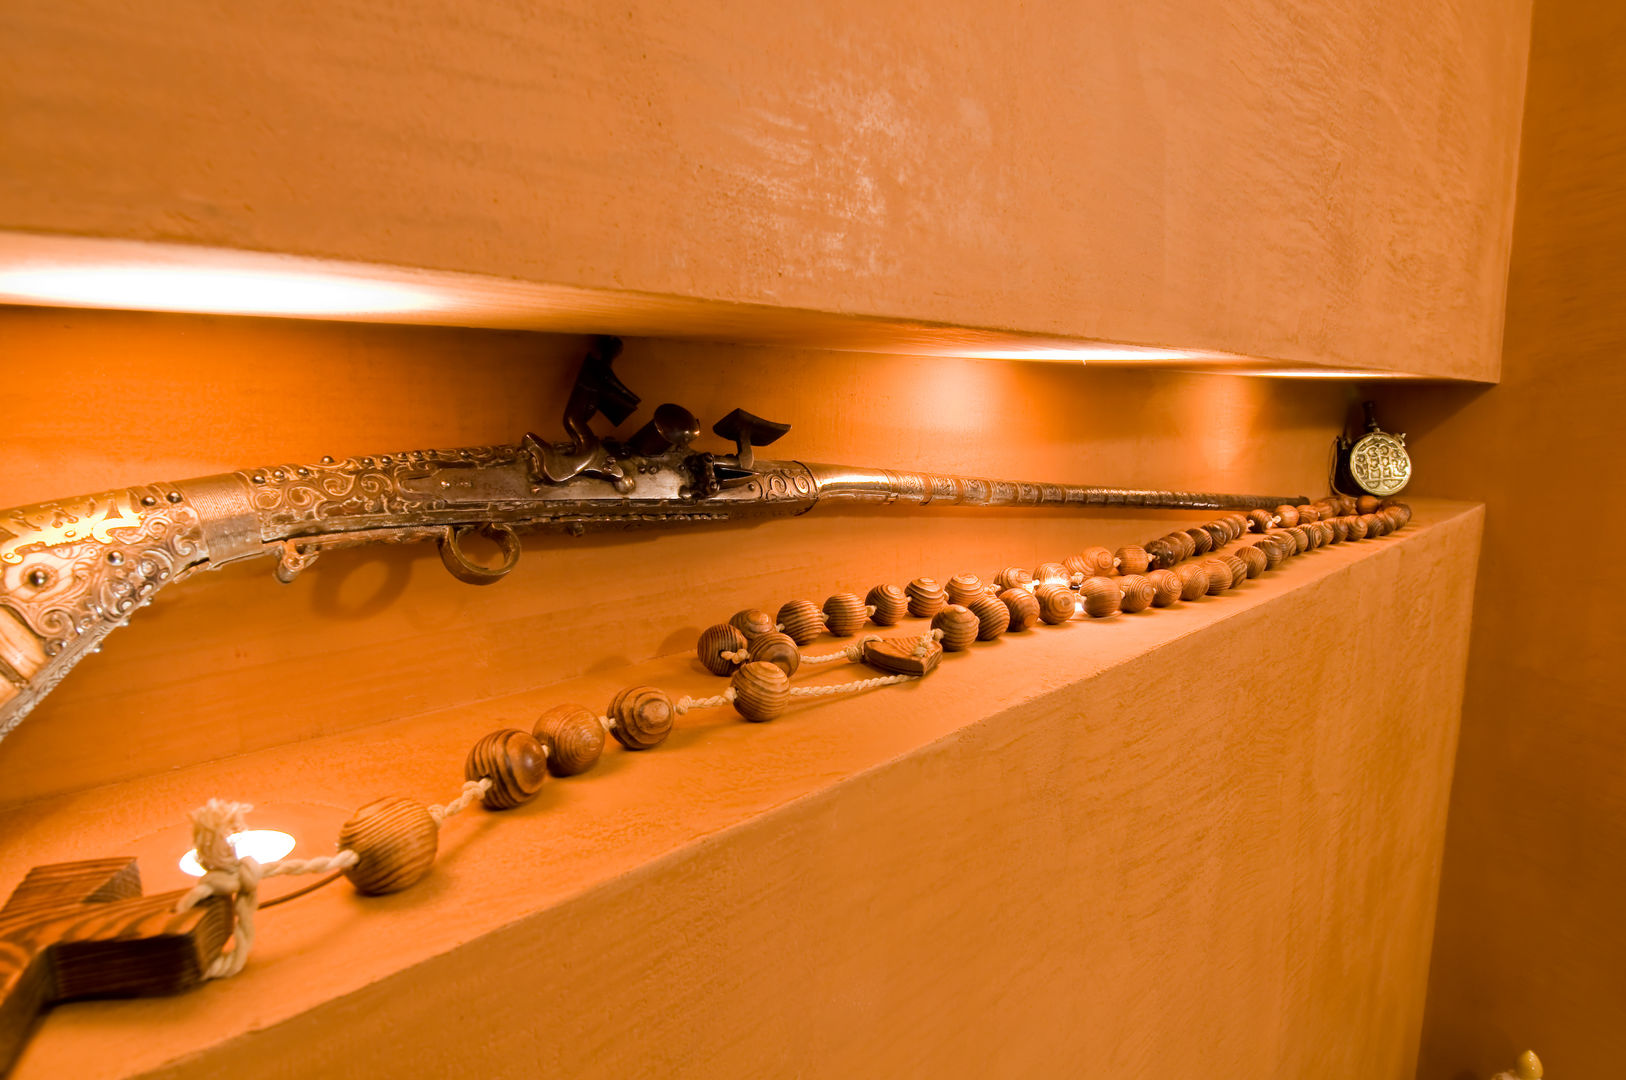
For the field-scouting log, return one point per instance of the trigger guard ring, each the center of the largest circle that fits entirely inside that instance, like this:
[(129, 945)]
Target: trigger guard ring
[(464, 569)]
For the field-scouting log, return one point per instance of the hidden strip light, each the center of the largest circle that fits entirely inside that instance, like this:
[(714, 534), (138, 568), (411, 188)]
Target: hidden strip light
[(222, 291)]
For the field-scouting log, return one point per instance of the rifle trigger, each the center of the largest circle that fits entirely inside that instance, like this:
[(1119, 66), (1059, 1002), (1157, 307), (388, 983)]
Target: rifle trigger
[(465, 569)]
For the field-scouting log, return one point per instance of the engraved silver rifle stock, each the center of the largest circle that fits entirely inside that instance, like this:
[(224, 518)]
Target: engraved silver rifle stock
[(73, 570)]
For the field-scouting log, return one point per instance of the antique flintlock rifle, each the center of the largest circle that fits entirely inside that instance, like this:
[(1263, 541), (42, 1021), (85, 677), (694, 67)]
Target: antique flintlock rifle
[(72, 570)]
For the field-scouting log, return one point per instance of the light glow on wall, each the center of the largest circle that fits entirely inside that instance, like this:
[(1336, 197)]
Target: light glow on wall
[(219, 291), (261, 845), (1084, 353)]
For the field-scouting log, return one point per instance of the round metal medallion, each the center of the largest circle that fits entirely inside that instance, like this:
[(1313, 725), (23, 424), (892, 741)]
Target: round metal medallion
[(1379, 463)]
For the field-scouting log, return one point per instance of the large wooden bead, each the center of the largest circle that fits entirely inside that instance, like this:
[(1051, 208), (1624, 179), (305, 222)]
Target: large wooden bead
[(844, 614), (1193, 581), (1340, 529), (1051, 573), (1366, 504), (1287, 516), (714, 642), (1403, 510), (1132, 559), (1057, 603), (1091, 562), (1163, 554), (1301, 538), (1356, 526), (752, 622), (926, 597), (1238, 568), (1374, 525), (1023, 607), (1239, 523), (1012, 577), (963, 588), (573, 737), (1254, 561), (1311, 535), (1271, 549), (1327, 533), (959, 627), (1188, 546), (761, 691), (1201, 542), (801, 620), (1101, 596), (394, 840), (513, 761), (890, 605), (778, 650), (1219, 575), (1218, 534), (993, 617), (1138, 592), (643, 717), (1167, 586), (1261, 520), (1308, 513)]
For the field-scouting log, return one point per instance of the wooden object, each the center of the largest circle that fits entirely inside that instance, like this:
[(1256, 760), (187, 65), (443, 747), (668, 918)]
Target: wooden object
[(1356, 526), (1219, 575), (1301, 538), (1023, 607), (844, 615), (993, 617), (1219, 534), (752, 622), (1057, 603), (890, 604), (1340, 529), (761, 691), (1287, 516), (779, 650), (83, 929), (573, 736), (1308, 513), (394, 839), (716, 640), (1373, 524), (643, 717), (963, 588), (1238, 567), (1254, 561), (1261, 520), (1138, 593), (1013, 576), (1051, 573), (1102, 597), (1367, 504), (926, 597), (1091, 562), (513, 761), (1193, 580), (1202, 542), (802, 620), (1167, 587), (899, 657), (1131, 559), (959, 627)]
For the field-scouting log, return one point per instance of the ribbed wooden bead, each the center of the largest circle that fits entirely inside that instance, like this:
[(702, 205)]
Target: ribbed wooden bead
[(1091, 562), (1201, 542), (1356, 526), (963, 588), (1163, 554), (993, 617), (573, 736), (752, 622), (643, 717), (1132, 559), (1403, 509), (1308, 513), (1287, 516), (1340, 529), (1167, 585), (1327, 533), (1271, 549), (513, 761), (1023, 607), (959, 627), (394, 840), (1138, 592), (1311, 533), (1301, 538), (1238, 568), (1374, 525), (761, 691), (1102, 597), (802, 620), (1188, 546), (844, 614), (890, 605), (1396, 516), (1051, 573), (926, 597), (1261, 520), (1253, 560), (1219, 575), (1239, 522), (779, 650), (1328, 508), (1057, 603), (1366, 504), (1347, 505), (714, 642), (1218, 535), (1193, 580), (1013, 576)]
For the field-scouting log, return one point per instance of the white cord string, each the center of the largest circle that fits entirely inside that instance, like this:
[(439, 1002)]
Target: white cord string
[(850, 687), (685, 703), (472, 790)]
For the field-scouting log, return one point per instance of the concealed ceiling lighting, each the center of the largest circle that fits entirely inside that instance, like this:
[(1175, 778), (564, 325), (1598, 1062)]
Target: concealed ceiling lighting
[(220, 292), (1320, 373), (1085, 353), (262, 845)]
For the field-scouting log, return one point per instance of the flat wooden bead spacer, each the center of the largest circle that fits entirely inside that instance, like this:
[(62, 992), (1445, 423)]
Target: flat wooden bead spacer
[(1366, 504), (778, 650), (964, 588), (1013, 576), (890, 605), (1102, 597), (751, 622), (1193, 581), (1138, 592), (761, 691), (802, 620), (926, 597), (1253, 560), (1201, 542), (714, 642), (1051, 573), (1057, 603), (643, 717), (1219, 575), (513, 761), (993, 617), (1287, 516), (900, 657), (573, 737), (1023, 607), (844, 614), (959, 627), (1132, 560), (1166, 587), (394, 840)]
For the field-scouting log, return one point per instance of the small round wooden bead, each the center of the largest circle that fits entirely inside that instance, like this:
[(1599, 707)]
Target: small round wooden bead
[(1301, 538), (1219, 575), (573, 736), (1287, 516), (1374, 525), (1167, 587), (1238, 568), (1138, 592), (1327, 508), (802, 620), (1057, 603), (1023, 607), (1328, 534), (1261, 520), (1340, 529), (1051, 573), (963, 588), (1356, 526), (1193, 580), (1102, 597), (1366, 504), (1132, 559), (1013, 576), (1201, 542), (993, 617), (890, 605), (959, 627), (1401, 508), (1239, 522), (513, 761), (761, 691), (1254, 561), (1091, 562), (926, 597), (1163, 554), (1218, 534), (1308, 513), (751, 622), (779, 650), (643, 717), (394, 840), (844, 614), (1271, 550), (714, 642), (1188, 546), (1311, 533)]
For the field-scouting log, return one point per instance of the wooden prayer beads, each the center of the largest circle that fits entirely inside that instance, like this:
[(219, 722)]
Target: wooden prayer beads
[(1287, 516), (1131, 560), (1056, 603), (717, 641), (1101, 596), (751, 622), (1011, 577), (394, 839), (1023, 607), (959, 627), (993, 617), (1201, 542), (1253, 560), (1367, 504), (1193, 581), (1138, 593), (1051, 573), (802, 620), (1219, 575), (513, 761), (963, 588), (844, 615), (573, 737), (1262, 520), (1166, 587), (890, 605), (926, 597), (779, 650), (761, 691), (1091, 562), (643, 717)]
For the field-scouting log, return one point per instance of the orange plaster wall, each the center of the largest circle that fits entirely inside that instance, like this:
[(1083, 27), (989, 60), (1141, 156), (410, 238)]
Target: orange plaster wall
[(1531, 943)]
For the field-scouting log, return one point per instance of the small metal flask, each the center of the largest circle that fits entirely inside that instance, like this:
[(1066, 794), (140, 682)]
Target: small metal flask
[(1375, 463)]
